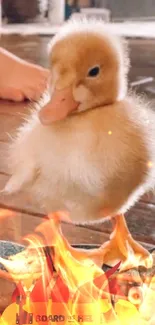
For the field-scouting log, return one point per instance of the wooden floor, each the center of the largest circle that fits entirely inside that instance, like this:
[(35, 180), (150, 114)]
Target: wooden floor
[(141, 218)]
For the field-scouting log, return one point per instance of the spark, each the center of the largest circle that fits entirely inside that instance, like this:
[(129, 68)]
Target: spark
[(110, 132), (150, 164)]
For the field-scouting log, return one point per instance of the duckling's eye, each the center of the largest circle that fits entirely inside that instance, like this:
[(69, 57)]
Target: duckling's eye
[(94, 71)]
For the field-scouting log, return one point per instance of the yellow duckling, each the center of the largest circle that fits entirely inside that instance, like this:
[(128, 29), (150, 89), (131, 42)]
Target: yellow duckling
[(88, 150)]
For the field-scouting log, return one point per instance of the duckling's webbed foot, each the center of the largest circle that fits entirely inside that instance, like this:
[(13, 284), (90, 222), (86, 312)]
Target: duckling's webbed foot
[(122, 247)]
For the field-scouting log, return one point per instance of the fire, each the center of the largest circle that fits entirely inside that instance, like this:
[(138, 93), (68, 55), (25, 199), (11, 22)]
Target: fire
[(57, 284)]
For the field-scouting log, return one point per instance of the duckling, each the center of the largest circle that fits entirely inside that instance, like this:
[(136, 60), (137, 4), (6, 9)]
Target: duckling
[(88, 148)]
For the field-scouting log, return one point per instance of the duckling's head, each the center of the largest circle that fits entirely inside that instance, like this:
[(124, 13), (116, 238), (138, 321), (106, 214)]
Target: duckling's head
[(89, 68)]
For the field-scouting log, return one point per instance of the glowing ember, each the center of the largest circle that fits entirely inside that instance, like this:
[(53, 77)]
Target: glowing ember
[(59, 284), (150, 164)]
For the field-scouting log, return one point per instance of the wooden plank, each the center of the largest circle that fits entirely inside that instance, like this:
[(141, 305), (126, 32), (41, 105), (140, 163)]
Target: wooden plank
[(15, 227), (30, 48), (140, 220)]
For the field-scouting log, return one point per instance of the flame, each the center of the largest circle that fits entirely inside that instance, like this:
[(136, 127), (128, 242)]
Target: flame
[(57, 283)]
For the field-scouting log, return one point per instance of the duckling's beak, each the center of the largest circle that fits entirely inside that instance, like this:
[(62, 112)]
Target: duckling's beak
[(60, 106)]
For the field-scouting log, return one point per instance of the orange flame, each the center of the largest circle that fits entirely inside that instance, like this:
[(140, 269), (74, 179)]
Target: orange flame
[(58, 284)]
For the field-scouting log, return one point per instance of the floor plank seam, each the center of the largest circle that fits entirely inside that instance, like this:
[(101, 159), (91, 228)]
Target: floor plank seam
[(5, 174), (24, 211), (140, 238)]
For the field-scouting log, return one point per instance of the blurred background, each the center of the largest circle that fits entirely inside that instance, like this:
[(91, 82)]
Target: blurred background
[(23, 11)]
